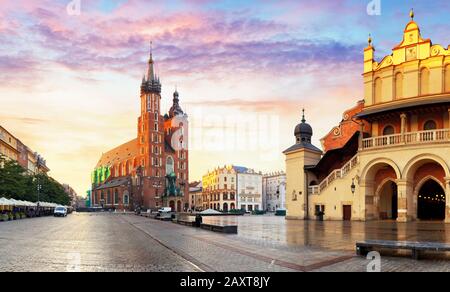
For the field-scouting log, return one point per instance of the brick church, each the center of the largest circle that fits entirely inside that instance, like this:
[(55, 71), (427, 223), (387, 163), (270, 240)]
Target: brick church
[(152, 170)]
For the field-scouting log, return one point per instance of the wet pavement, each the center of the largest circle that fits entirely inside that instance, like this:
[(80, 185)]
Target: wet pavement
[(116, 242), (83, 242), (334, 235)]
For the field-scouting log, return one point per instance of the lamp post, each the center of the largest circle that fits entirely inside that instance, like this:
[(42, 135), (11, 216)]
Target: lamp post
[(353, 187), (39, 162)]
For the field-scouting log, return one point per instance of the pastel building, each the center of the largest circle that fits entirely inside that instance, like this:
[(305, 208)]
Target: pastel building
[(274, 191), (389, 157), (219, 189), (249, 189)]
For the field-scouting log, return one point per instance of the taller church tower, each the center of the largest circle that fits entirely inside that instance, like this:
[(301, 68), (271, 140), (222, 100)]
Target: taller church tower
[(151, 124)]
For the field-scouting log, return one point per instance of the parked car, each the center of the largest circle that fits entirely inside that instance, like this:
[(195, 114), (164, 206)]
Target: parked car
[(60, 211)]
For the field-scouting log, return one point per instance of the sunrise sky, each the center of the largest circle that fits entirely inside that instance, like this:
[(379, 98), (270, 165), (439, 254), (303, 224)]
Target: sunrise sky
[(69, 84)]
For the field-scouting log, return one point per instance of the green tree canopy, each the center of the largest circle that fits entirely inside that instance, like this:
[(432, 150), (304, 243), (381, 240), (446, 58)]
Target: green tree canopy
[(16, 183)]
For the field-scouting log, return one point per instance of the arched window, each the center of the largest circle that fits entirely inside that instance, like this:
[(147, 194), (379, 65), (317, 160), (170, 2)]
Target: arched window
[(447, 78), (388, 130), (126, 199), (398, 85), (116, 197), (429, 125), (108, 197), (169, 165), (378, 89), (424, 81)]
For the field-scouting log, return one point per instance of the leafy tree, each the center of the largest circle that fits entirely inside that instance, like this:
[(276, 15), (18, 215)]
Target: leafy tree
[(12, 179), (17, 184)]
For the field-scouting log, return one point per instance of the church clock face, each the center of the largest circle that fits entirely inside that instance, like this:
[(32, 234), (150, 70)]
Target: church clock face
[(411, 54)]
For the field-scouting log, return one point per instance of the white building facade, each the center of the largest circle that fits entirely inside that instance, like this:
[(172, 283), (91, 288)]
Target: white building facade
[(249, 189), (274, 191)]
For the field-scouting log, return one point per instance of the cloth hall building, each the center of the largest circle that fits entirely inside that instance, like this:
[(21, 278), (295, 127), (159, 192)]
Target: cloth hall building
[(389, 157), (152, 170)]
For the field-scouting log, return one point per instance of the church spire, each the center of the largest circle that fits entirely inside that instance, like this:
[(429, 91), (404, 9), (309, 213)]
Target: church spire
[(152, 84), (151, 72)]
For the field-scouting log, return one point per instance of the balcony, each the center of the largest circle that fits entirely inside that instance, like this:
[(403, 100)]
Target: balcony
[(336, 174), (411, 138)]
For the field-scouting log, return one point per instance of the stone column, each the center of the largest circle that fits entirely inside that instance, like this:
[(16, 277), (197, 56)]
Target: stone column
[(367, 194), (403, 125), (361, 135), (447, 199), (405, 201), (449, 120)]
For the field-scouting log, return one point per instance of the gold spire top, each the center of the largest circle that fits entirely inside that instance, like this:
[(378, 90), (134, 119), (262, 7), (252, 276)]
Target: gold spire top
[(411, 14), (370, 40)]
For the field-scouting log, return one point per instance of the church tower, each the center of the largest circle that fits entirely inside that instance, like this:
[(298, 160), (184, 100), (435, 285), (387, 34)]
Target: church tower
[(298, 157), (151, 124)]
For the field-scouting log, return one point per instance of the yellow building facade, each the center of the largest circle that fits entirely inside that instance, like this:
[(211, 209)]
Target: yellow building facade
[(389, 158)]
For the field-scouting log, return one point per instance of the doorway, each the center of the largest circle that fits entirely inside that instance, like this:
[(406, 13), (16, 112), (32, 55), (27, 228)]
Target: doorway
[(347, 210), (431, 201)]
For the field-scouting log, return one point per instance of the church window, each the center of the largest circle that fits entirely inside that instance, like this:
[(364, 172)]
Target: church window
[(126, 199), (156, 127), (169, 165), (116, 197)]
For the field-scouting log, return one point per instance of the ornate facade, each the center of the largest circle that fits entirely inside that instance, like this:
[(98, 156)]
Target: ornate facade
[(152, 170), (389, 158)]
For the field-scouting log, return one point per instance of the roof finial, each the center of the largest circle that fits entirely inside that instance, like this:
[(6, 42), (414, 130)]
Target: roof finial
[(303, 116), (370, 40), (411, 14), (151, 50)]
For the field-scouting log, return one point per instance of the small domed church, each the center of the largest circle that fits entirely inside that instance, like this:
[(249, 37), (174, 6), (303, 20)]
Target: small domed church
[(152, 170)]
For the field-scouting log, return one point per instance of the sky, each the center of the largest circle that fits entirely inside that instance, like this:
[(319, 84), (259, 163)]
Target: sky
[(70, 78)]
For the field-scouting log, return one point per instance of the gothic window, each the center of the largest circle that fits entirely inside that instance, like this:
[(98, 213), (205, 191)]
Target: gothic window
[(108, 197), (398, 85), (156, 127), (148, 102), (378, 89), (126, 199), (430, 125), (169, 165), (388, 130), (424, 81), (116, 197)]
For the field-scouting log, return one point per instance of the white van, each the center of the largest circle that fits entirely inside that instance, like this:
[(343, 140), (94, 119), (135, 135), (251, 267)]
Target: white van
[(60, 211), (165, 210)]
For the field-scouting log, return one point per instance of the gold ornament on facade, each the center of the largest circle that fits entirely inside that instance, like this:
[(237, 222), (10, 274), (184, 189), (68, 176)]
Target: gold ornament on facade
[(337, 131)]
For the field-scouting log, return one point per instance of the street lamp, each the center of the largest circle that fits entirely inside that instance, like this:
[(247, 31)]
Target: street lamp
[(353, 187), (39, 162)]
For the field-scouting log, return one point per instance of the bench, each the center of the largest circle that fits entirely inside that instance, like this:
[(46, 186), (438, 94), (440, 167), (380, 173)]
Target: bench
[(364, 247), (228, 229), (185, 222)]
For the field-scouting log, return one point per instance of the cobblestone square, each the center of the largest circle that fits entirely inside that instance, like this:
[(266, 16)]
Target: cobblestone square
[(117, 242)]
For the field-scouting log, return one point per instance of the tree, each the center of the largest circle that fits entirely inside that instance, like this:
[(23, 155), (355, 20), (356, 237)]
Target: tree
[(12, 179), (15, 183)]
